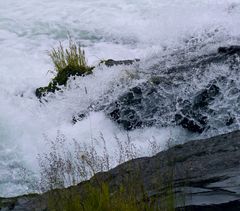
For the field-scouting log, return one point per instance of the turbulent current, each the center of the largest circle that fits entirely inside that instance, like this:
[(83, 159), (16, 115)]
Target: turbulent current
[(163, 34)]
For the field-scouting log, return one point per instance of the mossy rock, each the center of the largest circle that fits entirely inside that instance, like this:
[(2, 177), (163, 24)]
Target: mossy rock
[(63, 75), (62, 78)]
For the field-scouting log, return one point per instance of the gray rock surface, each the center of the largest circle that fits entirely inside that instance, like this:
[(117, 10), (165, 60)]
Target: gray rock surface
[(204, 174)]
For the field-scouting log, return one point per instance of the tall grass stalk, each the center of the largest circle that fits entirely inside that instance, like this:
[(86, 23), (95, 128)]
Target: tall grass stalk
[(73, 56), (61, 168)]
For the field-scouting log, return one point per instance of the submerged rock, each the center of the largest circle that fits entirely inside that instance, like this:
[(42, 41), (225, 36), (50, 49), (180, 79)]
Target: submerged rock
[(160, 100), (190, 116), (138, 107)]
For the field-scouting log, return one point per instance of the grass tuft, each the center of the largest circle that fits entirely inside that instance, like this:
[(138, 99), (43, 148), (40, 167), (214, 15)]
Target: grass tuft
[(68, 62), (73, 57)]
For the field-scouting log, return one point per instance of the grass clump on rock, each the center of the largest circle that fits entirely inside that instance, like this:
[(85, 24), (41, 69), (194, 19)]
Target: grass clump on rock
[(70, 61)]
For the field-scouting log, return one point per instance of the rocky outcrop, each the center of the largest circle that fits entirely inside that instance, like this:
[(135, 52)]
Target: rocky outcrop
[(206, 171), (62, 76), (204, 175), (168, 98)]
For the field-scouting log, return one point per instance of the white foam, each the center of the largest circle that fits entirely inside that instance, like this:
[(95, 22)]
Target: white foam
[(120, 29)]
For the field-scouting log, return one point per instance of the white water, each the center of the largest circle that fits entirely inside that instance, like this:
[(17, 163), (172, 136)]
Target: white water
[(118, 29)]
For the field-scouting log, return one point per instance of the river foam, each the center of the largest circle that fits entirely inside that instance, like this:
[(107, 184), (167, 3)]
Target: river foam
[(120, 29)]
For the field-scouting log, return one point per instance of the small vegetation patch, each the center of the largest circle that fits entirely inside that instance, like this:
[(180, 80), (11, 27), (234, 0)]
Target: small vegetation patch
[(73, 57), (101, 198), (70, 61), (62, 168)]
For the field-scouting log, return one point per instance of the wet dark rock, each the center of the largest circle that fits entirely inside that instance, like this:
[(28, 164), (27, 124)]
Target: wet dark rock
[(111, 62), (126, 116), (205, 175), (229, 50), (132, 110), (78, 117), (191, 124), (190, 116), (206, 96), (230, 120), (147, 102), (230, 206), (158, 100)]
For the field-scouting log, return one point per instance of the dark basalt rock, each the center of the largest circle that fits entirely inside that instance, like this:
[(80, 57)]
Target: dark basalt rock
[(204, 174), (157, 101), (206, 96), (190, 116), (111, 62), (78, 117), (126, 116), (133, 109), (191, 124), (229, 50), (139, 107)]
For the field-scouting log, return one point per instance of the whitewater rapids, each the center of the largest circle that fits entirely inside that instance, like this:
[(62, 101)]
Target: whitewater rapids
[(118, 29)]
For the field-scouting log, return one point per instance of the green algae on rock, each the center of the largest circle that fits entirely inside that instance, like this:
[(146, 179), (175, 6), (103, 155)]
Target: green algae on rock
[(62, 78)]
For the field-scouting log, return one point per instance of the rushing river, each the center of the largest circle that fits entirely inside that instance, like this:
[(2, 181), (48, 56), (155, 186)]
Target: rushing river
[(117, 29)]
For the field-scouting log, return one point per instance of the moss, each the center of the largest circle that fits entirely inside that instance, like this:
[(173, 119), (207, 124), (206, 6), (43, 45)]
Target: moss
[(62, 78)]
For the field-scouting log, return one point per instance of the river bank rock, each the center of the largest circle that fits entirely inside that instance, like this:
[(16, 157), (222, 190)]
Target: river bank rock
[(204, 175)]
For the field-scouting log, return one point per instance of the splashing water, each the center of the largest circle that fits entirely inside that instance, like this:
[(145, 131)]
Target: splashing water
[(145, 29)]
